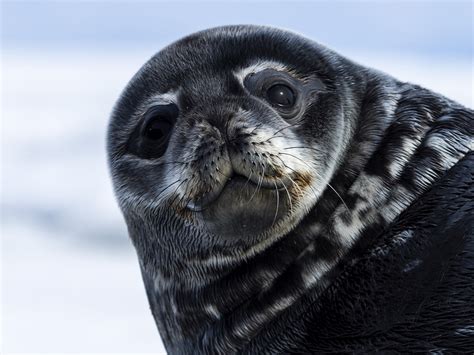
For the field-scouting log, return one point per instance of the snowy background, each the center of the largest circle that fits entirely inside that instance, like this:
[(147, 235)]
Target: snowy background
[(70, 280)]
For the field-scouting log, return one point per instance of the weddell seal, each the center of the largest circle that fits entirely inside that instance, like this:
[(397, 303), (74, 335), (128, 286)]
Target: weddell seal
[(282, 198)]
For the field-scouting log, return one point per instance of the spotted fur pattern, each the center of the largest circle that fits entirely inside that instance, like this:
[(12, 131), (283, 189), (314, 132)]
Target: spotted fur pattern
[(393, 141)]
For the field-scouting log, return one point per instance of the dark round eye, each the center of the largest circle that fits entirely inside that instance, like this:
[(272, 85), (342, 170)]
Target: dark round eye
[(159, 122), (158, 129), (281, 95), (150, 139)]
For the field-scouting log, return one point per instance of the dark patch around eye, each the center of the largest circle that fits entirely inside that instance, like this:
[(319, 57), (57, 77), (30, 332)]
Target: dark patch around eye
[(151, 137)]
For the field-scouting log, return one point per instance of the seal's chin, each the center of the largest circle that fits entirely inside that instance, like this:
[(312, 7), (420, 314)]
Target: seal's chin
[(242, 209)]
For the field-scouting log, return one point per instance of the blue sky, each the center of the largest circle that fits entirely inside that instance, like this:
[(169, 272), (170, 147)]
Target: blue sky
[(420, 27)]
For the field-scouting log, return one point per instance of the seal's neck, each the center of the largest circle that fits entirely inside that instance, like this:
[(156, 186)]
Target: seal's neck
[(406, 138)]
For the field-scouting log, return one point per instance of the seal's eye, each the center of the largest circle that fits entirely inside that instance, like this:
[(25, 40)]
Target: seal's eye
[(159, 122), (281, 95), (152, 137), (158, 129)]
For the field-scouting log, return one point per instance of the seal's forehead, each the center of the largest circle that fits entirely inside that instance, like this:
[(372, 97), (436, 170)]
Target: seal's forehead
[(206, 62), (258, 66), (240, 74), (229, 48)]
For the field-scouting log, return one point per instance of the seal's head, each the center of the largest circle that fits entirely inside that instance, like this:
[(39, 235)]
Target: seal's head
[(224, 140), (231, 151)]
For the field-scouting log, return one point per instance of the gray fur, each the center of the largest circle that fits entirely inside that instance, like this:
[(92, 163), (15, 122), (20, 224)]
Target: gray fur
[(361, 148)]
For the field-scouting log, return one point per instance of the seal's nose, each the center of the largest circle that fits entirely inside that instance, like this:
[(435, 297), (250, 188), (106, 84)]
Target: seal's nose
[(222, 116)]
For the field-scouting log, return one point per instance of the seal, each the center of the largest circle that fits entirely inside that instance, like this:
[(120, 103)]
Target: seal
[(253, 166)]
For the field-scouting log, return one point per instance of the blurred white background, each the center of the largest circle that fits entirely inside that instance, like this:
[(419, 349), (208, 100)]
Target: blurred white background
[(70, 281)]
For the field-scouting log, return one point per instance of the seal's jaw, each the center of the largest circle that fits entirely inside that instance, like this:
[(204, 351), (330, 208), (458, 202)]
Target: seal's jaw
[(244, 210)]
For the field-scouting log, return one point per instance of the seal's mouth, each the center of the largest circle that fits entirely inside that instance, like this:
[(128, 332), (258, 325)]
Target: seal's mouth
[(236, 183), (243, 208)]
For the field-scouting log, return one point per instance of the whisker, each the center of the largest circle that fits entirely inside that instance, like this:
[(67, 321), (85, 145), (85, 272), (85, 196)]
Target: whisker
[(184, 196), (159, 194), (258, 184), (280, 130), (245, 134), (288, 194), (340, 197), (297, 186), (248, 179), (328, 184), (293, 181), (174, 192), (278, 203), (256, 127), (309, 148)]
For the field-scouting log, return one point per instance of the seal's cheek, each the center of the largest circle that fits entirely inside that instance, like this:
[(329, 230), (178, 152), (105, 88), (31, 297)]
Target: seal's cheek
[(244, 210)]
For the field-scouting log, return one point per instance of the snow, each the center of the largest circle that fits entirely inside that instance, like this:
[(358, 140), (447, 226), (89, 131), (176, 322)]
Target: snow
[(71, 281), (62, 298), (70, 278)]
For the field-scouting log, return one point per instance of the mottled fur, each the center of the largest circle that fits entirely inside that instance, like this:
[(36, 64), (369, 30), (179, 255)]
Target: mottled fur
[(363, 148)]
